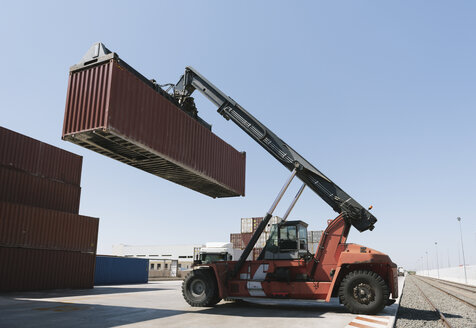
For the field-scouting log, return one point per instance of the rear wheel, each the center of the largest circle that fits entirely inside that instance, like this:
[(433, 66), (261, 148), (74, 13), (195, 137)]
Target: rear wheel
[(363, 292), (199, 288)]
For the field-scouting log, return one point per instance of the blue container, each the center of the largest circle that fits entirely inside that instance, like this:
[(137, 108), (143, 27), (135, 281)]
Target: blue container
[(112, 270)]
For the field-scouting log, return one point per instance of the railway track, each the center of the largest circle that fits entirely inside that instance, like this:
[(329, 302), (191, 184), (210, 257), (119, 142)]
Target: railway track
[(466, 295), (454, 284), (461, 313)]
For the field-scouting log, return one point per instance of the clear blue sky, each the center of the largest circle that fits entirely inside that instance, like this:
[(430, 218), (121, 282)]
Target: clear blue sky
[(379, 96)]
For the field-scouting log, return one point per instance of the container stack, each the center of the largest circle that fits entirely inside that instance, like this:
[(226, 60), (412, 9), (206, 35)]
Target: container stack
[(249, 226), (44, 242), (313, 238)]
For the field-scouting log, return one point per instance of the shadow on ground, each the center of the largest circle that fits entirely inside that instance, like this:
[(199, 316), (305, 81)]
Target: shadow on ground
[(99, 290), (421, 315), (26, 313)]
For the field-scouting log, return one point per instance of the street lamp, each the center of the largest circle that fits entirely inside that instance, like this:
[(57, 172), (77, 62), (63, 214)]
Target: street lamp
[(462, 248), (437, 263)]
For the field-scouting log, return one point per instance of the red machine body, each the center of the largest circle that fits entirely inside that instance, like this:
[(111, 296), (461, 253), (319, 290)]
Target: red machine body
[(333, 260)]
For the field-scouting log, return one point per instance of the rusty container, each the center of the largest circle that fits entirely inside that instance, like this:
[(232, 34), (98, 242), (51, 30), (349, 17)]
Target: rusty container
[(34, 227), (21, 187), (245, 238), (114, 110), (38, 158), (235, 239), (37, 269)]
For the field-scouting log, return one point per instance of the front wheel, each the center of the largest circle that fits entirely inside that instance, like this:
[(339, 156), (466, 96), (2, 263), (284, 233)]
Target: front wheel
[(363, 292), (199, 288)]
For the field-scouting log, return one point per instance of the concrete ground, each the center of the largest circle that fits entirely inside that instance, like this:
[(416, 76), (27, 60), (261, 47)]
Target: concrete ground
[(160, 303)]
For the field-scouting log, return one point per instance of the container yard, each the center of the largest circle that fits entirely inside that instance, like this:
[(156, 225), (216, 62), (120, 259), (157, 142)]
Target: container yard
[(163, 164)]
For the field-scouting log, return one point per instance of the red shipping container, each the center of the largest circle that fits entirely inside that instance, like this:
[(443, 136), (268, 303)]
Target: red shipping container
[(235, 239), (115, 111), (245, 238), (24, 188), (34, 227), (37, 269), (39, 158)]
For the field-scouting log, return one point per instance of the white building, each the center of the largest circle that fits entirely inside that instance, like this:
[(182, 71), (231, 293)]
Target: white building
[(164, 260), (170, 252)]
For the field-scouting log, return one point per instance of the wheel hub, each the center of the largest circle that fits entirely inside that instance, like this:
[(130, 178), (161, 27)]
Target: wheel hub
[(197, 287), (363, 293)]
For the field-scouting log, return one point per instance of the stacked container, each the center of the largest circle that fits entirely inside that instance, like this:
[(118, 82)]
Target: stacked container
[(313, 238), (248, 228), (250, 225), (44, 242)]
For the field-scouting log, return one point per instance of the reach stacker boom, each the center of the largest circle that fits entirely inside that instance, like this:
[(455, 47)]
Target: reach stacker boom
[(361, 277)]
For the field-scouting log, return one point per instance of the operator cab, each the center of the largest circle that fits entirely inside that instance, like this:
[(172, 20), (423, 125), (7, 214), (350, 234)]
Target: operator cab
[(287, 241)]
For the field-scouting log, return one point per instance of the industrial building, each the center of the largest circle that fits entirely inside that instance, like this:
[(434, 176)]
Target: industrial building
[(164, 260)]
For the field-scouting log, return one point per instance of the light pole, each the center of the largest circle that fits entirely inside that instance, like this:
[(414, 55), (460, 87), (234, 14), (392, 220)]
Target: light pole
[(437, 263), (462, 249), (427, 265)]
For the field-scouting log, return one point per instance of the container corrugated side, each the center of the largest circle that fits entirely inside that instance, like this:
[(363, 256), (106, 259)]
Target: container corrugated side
[(261, 242), (246, 225), (312, 247), (39, 158), (112, 270), (273, 220), (235, 239), (256, 222), (245, 238), (34, 227), (316, 236), (37, 269), (112, 111), (24, 188)]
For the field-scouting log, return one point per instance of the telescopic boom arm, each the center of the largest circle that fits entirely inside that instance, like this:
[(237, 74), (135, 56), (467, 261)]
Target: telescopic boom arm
[(332, 194)]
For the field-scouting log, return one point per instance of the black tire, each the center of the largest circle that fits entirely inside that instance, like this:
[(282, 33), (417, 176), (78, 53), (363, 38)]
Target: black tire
[(200, 289), (363, 292)]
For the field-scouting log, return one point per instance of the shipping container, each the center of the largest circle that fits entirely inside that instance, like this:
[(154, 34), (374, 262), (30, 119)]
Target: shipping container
[(256, 222), (34, 227), (246, 225), (312, 247), (114, 110), (316, 236), (245, 238), (262, 240), (256, 253), (235, 239), (18, 186), (38, 158), (113, 270), (273, 220), (37, 269)]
